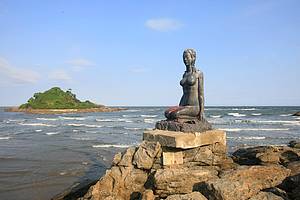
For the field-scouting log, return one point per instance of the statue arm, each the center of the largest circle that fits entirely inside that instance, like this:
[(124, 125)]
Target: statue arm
[(201, 94)]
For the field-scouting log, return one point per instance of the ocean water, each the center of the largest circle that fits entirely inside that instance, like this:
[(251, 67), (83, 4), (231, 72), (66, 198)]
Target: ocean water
[(42, 155)]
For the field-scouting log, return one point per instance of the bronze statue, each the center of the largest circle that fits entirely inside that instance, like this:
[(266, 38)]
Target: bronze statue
[(189, 115)]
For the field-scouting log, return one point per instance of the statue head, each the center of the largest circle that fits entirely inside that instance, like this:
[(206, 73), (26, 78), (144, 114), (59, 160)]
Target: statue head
[(189, 57)]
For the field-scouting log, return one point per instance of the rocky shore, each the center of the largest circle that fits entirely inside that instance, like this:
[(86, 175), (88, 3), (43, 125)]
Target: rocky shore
[(154, 171), (63, 111)]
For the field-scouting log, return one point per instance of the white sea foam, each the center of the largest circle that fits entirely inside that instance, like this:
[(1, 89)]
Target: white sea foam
[(150, 121), (253, 129), (133, 110), (111, 145), (249, 138), (104, 120), (16, 120), (256, 114), (129, 116), (52, 133), (244, 109), (149, 116), (37, 124), (215, 116), (132, 128), (72, 118), (38, 130), (47, 119), (75, 130), (86, 125), (285, 115), (4, 138), (236, 114)]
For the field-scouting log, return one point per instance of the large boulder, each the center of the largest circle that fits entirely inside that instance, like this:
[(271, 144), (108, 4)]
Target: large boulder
[(190, 196), (208, 155), (265, 155), (120, 183), (146, 154), (294, 144), (243, 183), (293, 181), (181, 180)]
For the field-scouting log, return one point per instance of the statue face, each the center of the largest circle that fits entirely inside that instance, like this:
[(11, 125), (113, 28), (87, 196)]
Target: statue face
[(187, 59)]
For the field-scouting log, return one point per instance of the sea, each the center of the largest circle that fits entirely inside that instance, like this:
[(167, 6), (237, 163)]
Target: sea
[(44, 155)]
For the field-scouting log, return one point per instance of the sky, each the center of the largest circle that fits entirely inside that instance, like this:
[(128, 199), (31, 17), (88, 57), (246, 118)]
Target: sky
[(129, 53)]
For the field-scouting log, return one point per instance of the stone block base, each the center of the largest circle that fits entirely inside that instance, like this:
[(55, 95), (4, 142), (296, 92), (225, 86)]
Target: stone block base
[(183, 140)]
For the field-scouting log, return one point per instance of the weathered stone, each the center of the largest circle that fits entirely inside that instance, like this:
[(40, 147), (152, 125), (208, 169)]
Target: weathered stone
[(266, 196), (172, 158), (126, 160), (264, 155), (296, 193), (187, 127), (181, 180), (117, 158), (243, 183), (294, 144), (185, 140), (297, 113), (190, 196), (148, 195), (145, 155), (214, 154), (120, 183), (278, 192), (293, 181)]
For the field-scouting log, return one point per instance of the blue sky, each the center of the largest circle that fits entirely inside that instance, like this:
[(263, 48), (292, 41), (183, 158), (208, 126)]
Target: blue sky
[(130, 52)]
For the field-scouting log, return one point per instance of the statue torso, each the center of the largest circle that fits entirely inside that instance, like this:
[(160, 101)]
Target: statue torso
[(190, 85)]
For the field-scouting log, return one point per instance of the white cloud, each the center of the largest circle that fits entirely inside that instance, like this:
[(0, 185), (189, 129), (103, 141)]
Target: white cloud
[(163, 24), (17, 75), (60, 75), (80, 63)]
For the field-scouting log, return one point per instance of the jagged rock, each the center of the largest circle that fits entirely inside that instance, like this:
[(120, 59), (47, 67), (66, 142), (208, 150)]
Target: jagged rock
[(291, 182), (190, 196), (120, 183), (189, 126), (148, 195), (296, 114), (181, 180), (117, 158), (243, 183), (264, 155), (278, 192), (145, 155), (126, 159), (294, 144), (266, 196), (205, 155)]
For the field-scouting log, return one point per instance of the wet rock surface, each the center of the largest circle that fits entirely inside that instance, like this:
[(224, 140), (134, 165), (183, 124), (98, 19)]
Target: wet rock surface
[(189, 126)]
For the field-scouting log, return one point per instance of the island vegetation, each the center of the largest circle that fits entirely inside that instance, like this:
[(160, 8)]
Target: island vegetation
[(55, 100)]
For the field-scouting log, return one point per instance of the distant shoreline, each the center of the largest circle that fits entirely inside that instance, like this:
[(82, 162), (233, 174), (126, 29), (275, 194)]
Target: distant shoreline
[(63, 111)]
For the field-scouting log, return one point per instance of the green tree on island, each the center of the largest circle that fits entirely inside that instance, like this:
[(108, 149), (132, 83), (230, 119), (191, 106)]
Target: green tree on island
[(56, 98)]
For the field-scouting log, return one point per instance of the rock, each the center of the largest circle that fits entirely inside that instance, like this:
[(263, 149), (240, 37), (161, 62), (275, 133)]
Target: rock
[(185, 140), (264, 155), (117, 158), (243, 183), (120, 183), (266, 196), (296, 193), (148, 195), (277, 192), (188, 127), (181, 180), (214, 154), (294, 144), (126, 160), (190, 196), (296, 114), (145, 155), (293, 181)]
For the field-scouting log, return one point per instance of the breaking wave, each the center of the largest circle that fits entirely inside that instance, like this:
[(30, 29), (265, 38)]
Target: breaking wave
[(37, 124), (4, 138), (236, 114), (52, 133), (86, 125), (253, 129)]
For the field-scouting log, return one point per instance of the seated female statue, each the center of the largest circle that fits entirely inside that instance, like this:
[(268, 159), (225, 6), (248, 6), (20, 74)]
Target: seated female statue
[(191, 105)]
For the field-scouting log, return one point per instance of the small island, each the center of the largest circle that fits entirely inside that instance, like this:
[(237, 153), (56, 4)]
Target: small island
[(57, 101)]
